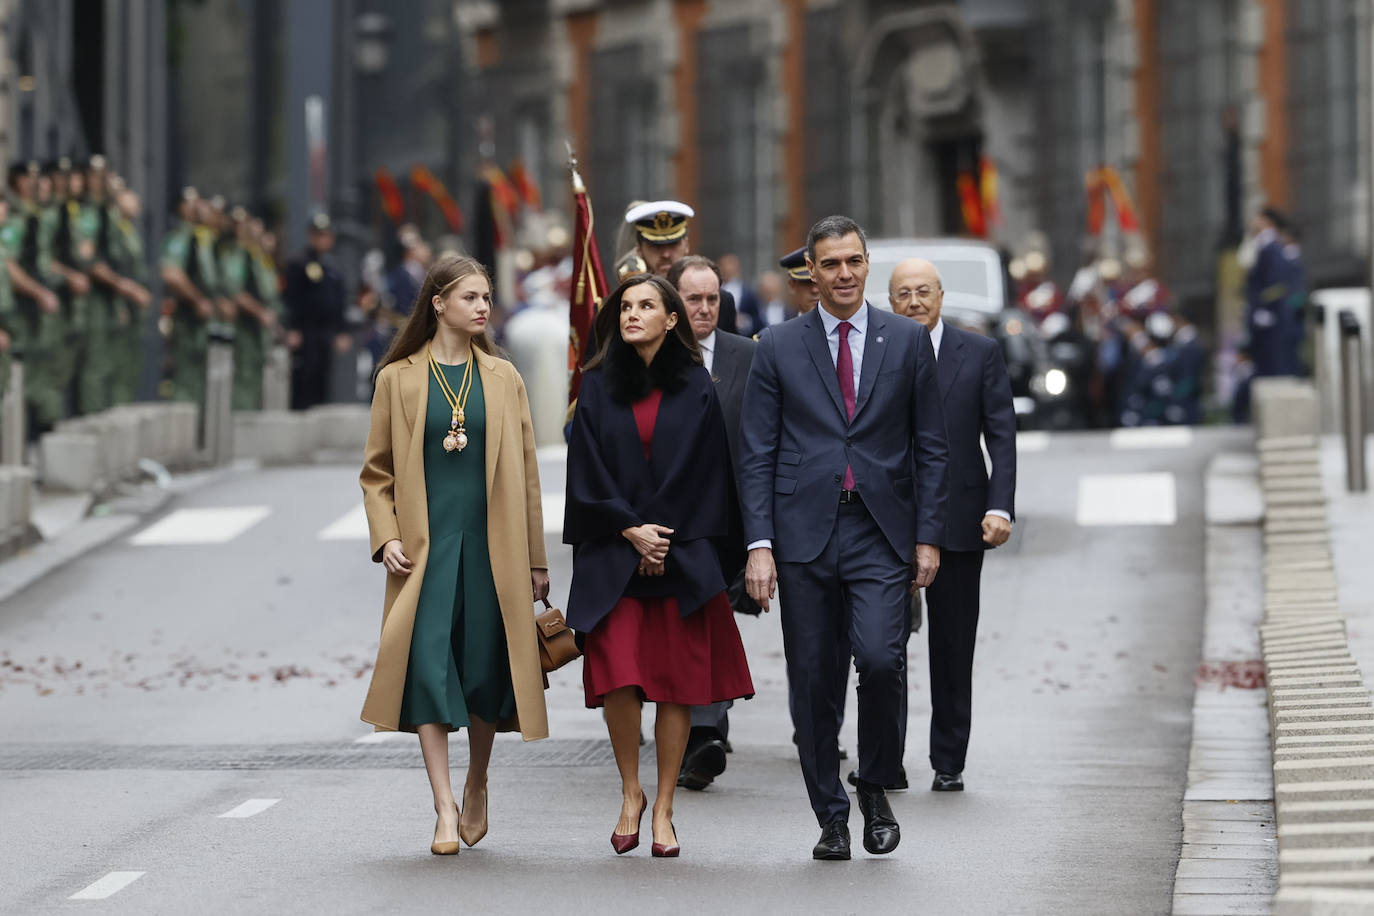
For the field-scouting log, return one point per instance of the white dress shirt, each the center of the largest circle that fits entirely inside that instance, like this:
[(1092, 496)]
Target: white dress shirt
[(937, 335), (708, 350), (858, 328), (857, 331)]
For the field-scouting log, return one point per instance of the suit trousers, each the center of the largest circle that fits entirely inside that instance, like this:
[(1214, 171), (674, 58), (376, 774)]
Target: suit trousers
[(952, 619), (858, 586), (716, 716)]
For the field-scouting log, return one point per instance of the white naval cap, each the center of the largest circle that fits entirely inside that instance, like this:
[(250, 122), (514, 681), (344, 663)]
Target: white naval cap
[(660, 222)]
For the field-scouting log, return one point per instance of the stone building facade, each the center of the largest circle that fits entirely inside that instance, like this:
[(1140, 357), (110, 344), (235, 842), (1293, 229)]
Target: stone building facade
[(767, 114)]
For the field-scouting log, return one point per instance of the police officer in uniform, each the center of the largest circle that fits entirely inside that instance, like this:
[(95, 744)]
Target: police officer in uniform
[(315, 306), (36, 327), (661, 238)]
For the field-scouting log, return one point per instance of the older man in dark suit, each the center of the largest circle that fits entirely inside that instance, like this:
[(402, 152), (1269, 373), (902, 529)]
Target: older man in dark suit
[(728, 358), (844, 483), (977, 402)]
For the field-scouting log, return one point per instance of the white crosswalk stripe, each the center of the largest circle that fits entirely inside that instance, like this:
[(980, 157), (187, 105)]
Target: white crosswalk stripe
[(201, 526), (554, 504), (1127, 499), (351, 526), (108, 886), (1152, 437), (251, 807)]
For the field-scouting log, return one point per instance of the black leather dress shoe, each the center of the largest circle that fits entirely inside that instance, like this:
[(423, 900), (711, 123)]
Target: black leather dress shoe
[(948, 782), (881, 832), (702, 764), (898, 785), (833, 845)]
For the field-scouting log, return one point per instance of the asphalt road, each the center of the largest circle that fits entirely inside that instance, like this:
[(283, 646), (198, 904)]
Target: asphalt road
[(156, 684)]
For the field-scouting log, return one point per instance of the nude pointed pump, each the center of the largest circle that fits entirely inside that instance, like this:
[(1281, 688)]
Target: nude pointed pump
[(472, 831), (448, 848)]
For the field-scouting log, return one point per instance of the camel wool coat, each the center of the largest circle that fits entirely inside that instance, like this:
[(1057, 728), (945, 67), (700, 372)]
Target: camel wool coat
[(393, 481)]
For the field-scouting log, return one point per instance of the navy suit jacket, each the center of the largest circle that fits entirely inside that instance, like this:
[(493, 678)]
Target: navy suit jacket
[(795, 440), (977, 400), (730, 370)]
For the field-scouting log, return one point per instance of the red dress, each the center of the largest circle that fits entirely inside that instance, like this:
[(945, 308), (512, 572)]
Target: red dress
[(646, 643)]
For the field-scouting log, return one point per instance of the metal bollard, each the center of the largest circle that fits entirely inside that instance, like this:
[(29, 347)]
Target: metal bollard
[(276, 379), (13, 418), (1352, 385), (219, 402)]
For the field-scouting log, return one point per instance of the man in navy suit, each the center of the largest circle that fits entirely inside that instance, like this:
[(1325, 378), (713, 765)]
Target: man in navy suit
[(977, 401), (844, 483)]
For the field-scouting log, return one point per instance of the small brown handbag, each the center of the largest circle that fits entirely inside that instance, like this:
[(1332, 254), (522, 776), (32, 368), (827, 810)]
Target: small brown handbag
[(557, 646)]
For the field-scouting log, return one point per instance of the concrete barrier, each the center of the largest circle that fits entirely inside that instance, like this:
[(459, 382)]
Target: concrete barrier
[(70, 460), (1284, 407), (293, 437)]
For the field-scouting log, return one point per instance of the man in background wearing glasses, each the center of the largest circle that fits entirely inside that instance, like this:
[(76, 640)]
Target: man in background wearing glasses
[(977, 401)]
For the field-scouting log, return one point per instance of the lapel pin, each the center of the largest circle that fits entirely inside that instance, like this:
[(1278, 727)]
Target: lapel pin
[(880, 340)]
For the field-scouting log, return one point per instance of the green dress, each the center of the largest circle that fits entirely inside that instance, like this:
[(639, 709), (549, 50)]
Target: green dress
[(458, 660)]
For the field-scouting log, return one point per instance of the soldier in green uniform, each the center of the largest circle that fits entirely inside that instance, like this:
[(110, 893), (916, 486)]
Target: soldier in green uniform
[(36, 330), (70, 253), (9, 325), (109, 315), (188, 272), (255, 320), (128, 341)]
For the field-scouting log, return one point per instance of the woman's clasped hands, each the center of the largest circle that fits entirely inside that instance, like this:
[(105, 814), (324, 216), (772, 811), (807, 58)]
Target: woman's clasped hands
[(651, 543)]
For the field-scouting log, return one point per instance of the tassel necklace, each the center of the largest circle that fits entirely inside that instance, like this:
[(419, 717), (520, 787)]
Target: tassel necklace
[(457, 438)]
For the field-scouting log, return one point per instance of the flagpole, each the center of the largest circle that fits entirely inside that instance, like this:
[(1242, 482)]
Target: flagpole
[(589, 284)]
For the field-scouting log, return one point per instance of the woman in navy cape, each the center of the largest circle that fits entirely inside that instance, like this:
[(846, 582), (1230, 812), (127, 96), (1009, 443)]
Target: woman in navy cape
[(650, 507)]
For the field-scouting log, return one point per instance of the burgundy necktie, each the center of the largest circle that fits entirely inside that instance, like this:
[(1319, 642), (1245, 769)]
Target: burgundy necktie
[(844, 367)]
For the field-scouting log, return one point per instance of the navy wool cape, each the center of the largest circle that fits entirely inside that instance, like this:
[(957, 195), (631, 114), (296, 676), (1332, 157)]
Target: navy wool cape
[(687, 485)]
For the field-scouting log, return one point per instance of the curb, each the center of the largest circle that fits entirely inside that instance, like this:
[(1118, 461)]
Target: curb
[(122, 514), (1320, 714), (1228, 859)]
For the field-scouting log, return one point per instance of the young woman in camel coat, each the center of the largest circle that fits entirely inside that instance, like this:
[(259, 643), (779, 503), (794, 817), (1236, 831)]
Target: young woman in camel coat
[(460, 586)]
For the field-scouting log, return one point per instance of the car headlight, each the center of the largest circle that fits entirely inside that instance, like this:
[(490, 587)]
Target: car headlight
[(1056, 382)]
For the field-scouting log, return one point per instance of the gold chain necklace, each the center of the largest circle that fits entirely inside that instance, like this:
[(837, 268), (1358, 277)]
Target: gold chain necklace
[(457, 437)]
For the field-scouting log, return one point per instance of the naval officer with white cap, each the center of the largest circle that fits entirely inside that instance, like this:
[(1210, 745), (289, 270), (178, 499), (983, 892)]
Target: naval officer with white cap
[(661, 239)]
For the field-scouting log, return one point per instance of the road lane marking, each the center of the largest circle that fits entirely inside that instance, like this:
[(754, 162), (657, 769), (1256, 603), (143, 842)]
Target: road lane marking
[(201, 526), (251, 807), (554, 503), (1127, 499), (1032, 441), (380, 737), (108, 886), (351, 526), (1151, 437)]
